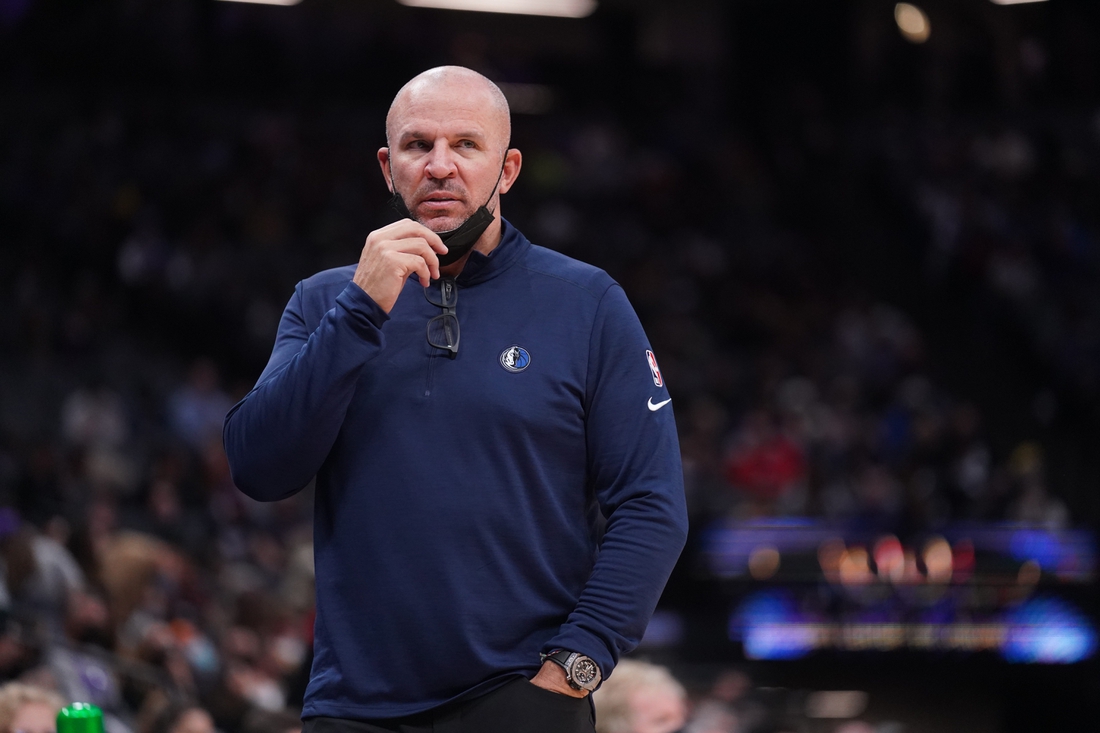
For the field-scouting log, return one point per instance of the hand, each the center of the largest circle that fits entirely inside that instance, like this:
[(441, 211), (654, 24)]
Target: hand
[(394, 252), (552, 677)]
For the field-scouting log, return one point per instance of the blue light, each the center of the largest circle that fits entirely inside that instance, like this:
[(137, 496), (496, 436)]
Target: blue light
[(766, 606), (1038, 545), (1048, 631), (769, 627), (779, 641)]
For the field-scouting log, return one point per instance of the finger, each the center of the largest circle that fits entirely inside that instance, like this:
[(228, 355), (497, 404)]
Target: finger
[(407, 228), (404, 228), (435, 242), (433, 261), (419, 247), (431, 238), (414, 264)]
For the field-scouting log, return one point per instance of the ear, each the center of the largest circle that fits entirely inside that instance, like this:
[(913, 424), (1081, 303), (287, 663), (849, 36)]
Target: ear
[(513, 161), (384, 164)]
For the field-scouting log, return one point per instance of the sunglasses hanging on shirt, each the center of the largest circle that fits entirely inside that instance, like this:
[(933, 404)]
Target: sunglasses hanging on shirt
[(443, 332)]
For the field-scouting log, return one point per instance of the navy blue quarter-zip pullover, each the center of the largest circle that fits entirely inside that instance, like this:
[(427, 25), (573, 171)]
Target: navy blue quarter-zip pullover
[(457, 527)]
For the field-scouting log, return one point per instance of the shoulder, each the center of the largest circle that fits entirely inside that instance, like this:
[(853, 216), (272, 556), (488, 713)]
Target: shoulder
[(336, 278), (317, 294), (566, 271)]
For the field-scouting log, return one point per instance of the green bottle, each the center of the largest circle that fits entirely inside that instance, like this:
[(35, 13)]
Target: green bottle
[(80, 717)]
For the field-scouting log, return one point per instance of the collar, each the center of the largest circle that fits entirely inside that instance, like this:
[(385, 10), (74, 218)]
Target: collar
[(480, 267)]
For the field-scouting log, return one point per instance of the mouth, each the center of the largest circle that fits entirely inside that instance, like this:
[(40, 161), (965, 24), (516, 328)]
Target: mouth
[(439, 202)]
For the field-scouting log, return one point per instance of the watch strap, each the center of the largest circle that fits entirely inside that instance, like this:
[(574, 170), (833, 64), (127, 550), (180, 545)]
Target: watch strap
[(561, 657), (566, 659)]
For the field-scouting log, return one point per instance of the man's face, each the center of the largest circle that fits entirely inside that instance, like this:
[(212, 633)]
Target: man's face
[(447, 146)]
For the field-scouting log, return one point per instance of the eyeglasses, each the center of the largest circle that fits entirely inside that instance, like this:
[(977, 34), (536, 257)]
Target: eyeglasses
[(443, 332)]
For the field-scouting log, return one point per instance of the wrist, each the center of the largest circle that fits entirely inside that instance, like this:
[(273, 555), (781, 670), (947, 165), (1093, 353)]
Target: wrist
[(553, 678), (581, 671)]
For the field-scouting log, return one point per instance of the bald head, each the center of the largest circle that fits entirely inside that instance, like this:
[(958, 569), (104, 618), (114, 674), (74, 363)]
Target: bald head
[(447, 153), (464, 88)]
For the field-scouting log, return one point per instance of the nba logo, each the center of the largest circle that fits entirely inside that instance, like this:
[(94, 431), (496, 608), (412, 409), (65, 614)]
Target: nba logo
[(654, 368)]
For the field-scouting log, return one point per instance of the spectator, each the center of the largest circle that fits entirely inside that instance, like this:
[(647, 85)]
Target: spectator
[(766, 465), (197, 409), (640, 698), (191, 720), (37, 572), (161, 715), (28, 709), (717, 712), (80, 665)]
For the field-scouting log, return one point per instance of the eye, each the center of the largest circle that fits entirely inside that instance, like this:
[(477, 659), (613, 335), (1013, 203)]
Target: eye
[(468, 144), (419, 145)]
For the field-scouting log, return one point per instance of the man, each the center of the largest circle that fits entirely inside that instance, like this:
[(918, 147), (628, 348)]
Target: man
[(469, 410)]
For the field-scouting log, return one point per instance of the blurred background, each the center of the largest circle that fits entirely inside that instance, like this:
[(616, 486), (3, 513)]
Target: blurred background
[(863, 237)]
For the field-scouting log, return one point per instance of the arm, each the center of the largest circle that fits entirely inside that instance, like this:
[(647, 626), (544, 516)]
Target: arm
[(634, 466), (278, 436)]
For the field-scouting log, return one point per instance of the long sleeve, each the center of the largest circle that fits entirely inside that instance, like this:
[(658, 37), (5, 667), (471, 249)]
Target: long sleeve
[(278, 436), (634, 468)]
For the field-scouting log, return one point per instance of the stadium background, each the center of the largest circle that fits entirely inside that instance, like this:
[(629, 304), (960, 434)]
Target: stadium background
[(868, 262)]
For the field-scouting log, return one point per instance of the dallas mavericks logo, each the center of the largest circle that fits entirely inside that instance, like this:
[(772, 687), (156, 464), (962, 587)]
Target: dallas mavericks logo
[(515, 358)]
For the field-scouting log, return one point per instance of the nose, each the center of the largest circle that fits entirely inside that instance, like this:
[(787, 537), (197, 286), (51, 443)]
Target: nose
[(441, 162)]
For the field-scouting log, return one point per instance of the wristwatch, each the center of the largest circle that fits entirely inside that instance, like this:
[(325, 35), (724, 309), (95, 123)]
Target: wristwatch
[(581, 672)]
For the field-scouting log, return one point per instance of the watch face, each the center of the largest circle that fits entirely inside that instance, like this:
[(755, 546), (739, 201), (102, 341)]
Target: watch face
[(585, 672)]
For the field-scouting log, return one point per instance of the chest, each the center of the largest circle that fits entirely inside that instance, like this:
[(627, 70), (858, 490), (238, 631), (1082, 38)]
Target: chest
[(521, 363)]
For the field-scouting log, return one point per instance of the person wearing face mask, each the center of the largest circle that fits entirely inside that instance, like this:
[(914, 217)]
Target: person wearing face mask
[(499, 497)]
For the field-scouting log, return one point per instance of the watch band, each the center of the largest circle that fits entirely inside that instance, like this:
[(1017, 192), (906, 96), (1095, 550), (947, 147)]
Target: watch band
[(561, 656), (581, 672)]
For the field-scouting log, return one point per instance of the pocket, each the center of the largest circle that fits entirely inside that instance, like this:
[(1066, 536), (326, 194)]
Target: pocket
[(523, 707), (553, 712), (556, 697)]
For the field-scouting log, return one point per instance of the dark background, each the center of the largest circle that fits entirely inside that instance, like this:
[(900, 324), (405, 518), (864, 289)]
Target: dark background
[(887, 252)]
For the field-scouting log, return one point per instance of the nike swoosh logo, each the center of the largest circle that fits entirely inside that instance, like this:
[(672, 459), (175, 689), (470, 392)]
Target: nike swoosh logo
[(654, 407)]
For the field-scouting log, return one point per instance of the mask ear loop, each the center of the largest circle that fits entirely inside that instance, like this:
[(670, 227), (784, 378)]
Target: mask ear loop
[(496, 185)]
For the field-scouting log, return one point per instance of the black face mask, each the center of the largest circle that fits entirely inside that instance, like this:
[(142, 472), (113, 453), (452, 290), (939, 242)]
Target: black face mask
[(462, 238)]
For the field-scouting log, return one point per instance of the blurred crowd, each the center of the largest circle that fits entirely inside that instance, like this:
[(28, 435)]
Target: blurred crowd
[(151, 237), (642, 697)]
